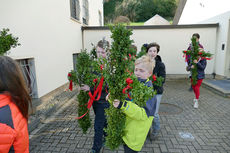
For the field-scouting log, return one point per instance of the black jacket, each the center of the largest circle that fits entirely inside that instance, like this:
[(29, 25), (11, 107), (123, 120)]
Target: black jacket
[(159, 70)]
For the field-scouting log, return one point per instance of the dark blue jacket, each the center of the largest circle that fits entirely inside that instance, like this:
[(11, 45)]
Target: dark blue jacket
[(201, 65)]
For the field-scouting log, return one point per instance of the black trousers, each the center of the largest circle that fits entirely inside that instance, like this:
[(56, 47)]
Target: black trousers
[(128, 150), (100, 123)]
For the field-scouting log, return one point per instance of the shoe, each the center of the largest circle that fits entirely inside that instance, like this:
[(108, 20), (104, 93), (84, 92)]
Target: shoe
[(190, 89), (196, 105), (154, 135), (92, 151), (103, 142)]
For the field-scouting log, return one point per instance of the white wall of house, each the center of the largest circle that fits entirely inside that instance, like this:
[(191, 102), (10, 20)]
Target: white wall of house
[(222, 66), (199, 10), (48, 34), (95, 7), (172, 42)]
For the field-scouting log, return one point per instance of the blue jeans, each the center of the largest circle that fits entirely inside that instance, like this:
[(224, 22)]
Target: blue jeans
[(156, 121), (100, 123)]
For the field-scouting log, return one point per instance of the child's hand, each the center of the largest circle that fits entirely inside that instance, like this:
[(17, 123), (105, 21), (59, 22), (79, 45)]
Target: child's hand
[(85, 88), (201, 49), (107, 97), (116, 103), (195, 61), (192, 67)]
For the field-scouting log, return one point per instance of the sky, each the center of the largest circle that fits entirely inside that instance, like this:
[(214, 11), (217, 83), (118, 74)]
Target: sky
[(199, 10)]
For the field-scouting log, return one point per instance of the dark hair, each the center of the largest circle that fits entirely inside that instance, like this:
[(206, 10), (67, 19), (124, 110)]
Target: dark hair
[(196, 35), (153, 45), (12, 83), (103, 44)]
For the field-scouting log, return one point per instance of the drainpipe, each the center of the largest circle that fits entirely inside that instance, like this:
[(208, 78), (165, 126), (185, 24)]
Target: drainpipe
[(214, 67), (82, 37)]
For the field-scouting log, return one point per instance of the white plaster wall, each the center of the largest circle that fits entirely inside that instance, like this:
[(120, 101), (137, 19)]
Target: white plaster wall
[(47, 34), (222, 56), (94, 7), (198, 10), (172, 42)]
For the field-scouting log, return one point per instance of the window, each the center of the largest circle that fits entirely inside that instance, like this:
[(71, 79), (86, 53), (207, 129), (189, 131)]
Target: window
[(100, 18), (85, 17), (75, 61), (28, 70), (75, 9)]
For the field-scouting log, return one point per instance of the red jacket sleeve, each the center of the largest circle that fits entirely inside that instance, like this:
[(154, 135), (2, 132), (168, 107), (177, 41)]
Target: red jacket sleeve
[(7, 137)]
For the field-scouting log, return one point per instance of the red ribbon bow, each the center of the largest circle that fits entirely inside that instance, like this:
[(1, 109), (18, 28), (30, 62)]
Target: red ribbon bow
[(128, 81), (71, 82)]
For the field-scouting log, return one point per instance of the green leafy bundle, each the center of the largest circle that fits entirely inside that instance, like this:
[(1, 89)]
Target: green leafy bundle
[(140, 92), (157, 81), (143, 51), (7, 41), (195, 54), (83, 75), (115, 74)]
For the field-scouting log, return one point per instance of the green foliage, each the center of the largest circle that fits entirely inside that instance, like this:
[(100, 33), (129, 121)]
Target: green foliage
[(115, 74), (165, 8), (84, 122), (139, 11), (93, 52), (157, 81), (83, 75), (143, 51), (140, 93), (145, 10), (127, 8), (7, 41), (109, 10)]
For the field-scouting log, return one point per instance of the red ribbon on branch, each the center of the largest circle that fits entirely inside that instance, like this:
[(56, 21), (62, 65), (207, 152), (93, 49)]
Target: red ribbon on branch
[(130, 57), (207, 58), (97, 93), (70, 83), (154, 78), (128, 81), (92, 97)]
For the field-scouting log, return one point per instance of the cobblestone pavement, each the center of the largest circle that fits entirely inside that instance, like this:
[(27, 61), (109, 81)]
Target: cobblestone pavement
[(202, 130)]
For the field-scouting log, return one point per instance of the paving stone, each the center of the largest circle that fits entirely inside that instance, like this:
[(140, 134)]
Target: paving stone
[(209, 125)]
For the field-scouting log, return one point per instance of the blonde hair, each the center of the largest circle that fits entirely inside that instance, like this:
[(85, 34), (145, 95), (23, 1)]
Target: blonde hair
[(147, 61)]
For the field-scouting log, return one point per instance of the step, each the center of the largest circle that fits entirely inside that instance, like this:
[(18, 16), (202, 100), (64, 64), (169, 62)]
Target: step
[(221, 87)]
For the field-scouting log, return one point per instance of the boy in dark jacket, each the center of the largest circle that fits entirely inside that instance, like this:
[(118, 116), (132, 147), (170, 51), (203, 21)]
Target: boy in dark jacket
[(159, 70), (99, 106)]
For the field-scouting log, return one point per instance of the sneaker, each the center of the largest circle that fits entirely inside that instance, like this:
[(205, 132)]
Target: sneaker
[(154, 135), (190, 89), (103, 142), (92, 151), (195, 103)]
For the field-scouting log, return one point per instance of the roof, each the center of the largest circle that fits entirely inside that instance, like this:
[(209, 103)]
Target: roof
[(157, 20)]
